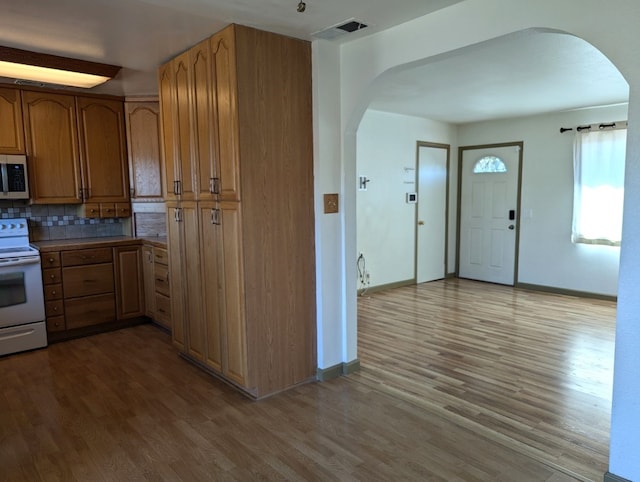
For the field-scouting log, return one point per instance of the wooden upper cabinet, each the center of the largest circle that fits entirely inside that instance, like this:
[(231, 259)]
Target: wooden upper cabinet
[(143, 144), (11, 127), (167, 109), (204, 125), (52, 147), (226, 112), (102, 150), (183, 127)]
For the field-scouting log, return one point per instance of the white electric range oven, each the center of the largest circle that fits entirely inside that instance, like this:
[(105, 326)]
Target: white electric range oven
[(22, 318)]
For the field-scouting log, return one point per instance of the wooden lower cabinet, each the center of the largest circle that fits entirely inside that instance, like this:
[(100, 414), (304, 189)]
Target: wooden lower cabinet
[(174, 248), (89, 287), (224, 289), (129, 282), (212, 300), (186, 286), (157, 290), (90, 310), (149, 281)]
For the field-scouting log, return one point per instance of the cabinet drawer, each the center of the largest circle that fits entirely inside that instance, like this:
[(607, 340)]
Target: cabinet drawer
[(161, 279), (160, 256), (51, 276), (87, 280), (107, 210), (91, 310), (86, 256), (54, 308), (53, 292), (163, 309), (91, 210), (50, 260), (123, 210), (56, 323)]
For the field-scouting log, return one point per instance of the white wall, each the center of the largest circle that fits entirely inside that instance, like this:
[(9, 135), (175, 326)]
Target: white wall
[(547, 256), (386, 148), (426, 39), (330, 294)]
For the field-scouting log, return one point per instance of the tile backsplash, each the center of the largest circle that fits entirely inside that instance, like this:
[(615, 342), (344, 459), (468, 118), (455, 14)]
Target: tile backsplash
[(59, 221)]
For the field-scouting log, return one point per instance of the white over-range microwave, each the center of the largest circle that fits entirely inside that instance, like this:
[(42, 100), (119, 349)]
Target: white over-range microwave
[(14, 182)]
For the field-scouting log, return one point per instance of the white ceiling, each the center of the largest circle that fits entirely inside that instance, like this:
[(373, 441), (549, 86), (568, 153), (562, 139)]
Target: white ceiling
[(139, 35), (528, 73)]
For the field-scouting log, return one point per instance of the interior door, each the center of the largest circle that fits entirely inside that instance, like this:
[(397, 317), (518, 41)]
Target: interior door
[(489, 213), (432, 212)]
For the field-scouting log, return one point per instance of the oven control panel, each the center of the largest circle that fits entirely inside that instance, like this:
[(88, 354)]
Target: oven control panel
[(13, 227)]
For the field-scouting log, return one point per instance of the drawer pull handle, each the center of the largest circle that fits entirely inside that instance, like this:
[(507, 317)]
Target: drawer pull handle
[(90, 281), (161, 310)]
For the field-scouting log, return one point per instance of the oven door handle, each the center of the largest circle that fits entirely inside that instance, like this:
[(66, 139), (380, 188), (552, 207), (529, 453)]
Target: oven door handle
[(5, 263)]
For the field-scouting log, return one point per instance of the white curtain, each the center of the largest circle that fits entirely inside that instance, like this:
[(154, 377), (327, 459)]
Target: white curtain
[(598, 191)]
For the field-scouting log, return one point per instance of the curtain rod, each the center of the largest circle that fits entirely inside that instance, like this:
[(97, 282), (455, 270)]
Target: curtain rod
[(588, 127)]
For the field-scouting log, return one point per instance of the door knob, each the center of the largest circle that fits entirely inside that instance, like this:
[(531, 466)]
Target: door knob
[(420, 223), (512, 227)]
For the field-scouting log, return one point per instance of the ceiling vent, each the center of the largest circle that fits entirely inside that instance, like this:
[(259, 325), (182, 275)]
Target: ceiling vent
[(339, 30)]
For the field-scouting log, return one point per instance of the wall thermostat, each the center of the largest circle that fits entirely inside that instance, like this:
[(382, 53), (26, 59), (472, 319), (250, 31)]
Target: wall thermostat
[(412, 197)]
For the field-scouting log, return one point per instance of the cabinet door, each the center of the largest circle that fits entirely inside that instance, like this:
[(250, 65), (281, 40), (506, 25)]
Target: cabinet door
[(210, 249), (183, 127), (143, 145), (175, 274), (129, 283), (226, 105), (11, 127), (149, 281), (233, 317), (204, 128), (194, 321), (102, 150), (167, 113), (52, 147)]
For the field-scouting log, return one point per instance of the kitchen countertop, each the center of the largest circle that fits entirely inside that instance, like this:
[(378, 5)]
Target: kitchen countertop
[(104, 242)]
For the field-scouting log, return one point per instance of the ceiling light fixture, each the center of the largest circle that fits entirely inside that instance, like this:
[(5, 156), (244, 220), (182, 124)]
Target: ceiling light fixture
[(302, 6), (52, 69)]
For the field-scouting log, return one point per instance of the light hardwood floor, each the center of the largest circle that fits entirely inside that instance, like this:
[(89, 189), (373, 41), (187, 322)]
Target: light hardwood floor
[(528, 370), (440, 397)]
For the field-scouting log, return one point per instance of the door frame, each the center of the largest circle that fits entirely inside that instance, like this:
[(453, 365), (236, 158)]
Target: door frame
[(447, 148), (461, 151)]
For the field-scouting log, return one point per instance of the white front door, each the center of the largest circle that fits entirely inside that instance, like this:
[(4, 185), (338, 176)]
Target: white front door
[(432, 211), (489, 213)]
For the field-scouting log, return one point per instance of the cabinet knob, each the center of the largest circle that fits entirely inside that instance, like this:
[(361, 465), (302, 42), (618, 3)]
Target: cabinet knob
[(53, 276), (51, 260), (56, 324), (55, 308), (54, 292)]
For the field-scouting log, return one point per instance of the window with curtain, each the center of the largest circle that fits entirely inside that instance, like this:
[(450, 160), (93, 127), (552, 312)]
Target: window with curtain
[(598, 191)]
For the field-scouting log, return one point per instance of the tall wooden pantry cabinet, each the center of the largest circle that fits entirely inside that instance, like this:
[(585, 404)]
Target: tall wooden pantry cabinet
[(237, 134)]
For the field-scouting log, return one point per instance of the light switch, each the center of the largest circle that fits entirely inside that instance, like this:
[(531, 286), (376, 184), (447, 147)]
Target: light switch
[(330, 203)]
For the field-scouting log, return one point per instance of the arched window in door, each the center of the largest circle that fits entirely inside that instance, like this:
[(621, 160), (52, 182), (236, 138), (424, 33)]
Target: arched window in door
[(489, 164)]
